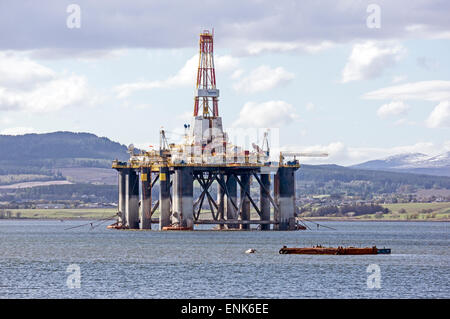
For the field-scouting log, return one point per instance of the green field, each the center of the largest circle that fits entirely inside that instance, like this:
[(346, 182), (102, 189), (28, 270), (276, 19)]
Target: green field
[(91, 213), (416, 207), (419, 211), (403, 211)]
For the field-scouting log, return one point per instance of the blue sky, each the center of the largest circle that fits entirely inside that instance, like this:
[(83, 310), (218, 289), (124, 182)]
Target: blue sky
[(323, 78)]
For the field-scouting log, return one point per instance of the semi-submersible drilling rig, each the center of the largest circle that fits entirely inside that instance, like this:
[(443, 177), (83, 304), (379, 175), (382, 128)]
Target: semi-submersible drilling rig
[(206, 156)]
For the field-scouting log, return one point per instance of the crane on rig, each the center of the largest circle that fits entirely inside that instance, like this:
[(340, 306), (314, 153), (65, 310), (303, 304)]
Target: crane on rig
[(285, 154), (264, 150)]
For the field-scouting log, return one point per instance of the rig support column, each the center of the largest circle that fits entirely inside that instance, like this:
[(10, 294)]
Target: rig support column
[(264, 200), (232, 190), (132, 199), (164, 197), (183, 191), (285, 198), (221, 200), (146, 199), (245, 211), (122, 195)]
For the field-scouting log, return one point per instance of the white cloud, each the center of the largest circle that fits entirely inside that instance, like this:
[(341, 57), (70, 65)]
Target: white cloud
[(47, 96), (440, 116), (77, 54), (237, 74), (17, 70), (263, 78), (426, 31), (185, 77), (225, 63), (424, 90), (369, 59), (28, 86), (392, 109), (435, 91), (255, 48), (267, 114), (18, 130)]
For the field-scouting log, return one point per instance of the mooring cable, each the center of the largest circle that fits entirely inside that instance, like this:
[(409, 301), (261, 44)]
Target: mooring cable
[(91, 223), (318, 224)]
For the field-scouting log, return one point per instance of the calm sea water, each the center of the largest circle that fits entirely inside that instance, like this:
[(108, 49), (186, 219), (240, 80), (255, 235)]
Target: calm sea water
[(35, 254)]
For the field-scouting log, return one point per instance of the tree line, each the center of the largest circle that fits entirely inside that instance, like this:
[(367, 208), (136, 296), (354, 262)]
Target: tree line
[(344, 210)]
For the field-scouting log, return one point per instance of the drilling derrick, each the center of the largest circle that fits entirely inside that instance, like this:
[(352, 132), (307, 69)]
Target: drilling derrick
[(207, 127), (207, 94)]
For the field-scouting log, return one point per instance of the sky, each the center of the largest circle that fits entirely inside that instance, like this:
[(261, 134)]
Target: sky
[(358, 79)]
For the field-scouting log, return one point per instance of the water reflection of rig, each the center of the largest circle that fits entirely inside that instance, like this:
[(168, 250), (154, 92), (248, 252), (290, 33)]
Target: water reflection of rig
[(207, 157)]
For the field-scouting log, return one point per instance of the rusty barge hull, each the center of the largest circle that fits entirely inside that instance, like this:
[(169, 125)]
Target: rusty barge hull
[(334, 251)]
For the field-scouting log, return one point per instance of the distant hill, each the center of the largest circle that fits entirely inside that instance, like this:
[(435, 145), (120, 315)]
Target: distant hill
[(35, 156), (335, 179), (416, 163), (59, 145)]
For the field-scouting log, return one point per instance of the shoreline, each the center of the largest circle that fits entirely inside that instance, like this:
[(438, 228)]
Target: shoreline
[(343, 219), (327, 219)]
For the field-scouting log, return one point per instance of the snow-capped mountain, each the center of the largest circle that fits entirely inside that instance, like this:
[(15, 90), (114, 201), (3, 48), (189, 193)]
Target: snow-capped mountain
[(439, 160), (412, 163)]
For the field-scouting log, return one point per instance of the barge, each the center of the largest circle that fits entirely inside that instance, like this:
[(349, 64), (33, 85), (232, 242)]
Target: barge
[(319, 250)]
